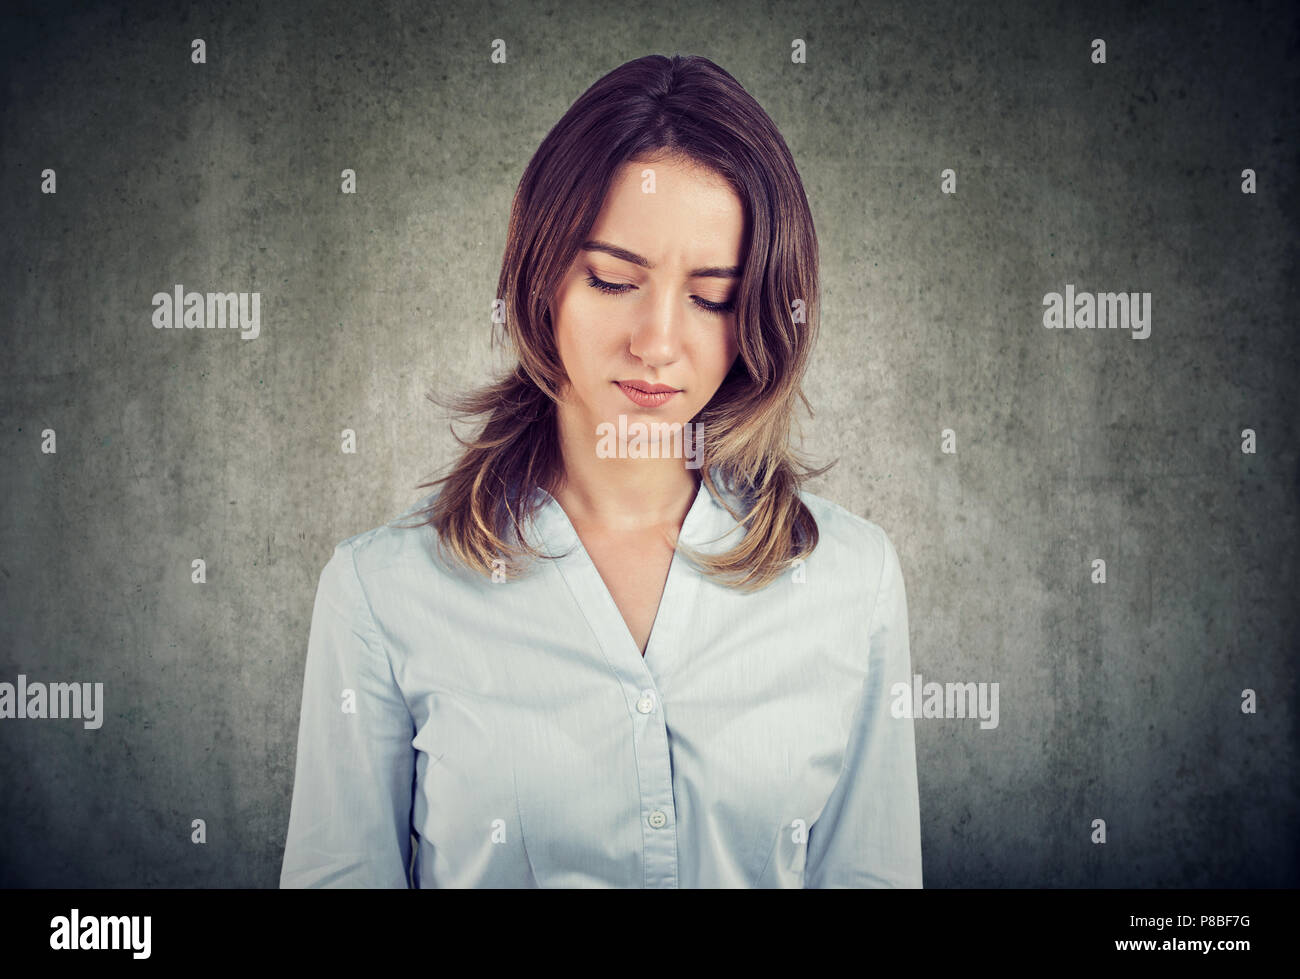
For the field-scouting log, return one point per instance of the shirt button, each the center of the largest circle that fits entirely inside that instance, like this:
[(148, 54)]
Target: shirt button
[(657, 818), (646, 704)]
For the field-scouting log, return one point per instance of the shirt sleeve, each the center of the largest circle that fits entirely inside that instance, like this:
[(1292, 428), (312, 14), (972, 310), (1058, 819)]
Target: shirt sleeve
[(349, 822), (869, 832)]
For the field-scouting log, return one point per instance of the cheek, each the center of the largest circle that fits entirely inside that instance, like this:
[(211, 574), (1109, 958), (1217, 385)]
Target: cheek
[(585, 342), (733, 345), (722, 354), (568, 317)]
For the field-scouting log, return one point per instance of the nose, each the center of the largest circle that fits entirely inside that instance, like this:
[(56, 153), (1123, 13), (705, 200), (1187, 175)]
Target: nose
[(657, 335)]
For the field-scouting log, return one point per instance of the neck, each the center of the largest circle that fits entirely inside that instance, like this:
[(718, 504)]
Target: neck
[(619, 494)]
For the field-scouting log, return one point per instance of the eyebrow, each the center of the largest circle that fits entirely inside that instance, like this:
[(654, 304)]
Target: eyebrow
[(712, 272)]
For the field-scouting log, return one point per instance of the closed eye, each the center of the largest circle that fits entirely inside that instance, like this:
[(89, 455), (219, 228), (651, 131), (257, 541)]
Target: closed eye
[(618, 288)]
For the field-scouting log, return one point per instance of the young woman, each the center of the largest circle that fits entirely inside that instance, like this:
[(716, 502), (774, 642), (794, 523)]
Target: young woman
[(620, 647)]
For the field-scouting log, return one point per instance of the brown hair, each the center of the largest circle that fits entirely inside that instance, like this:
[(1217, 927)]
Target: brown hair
[(686, 107)]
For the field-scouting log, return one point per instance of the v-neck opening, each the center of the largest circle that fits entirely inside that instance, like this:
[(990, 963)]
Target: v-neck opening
[(610, 612)]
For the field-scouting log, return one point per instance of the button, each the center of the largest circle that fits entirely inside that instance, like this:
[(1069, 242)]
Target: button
[(647, 702), (658, 819)]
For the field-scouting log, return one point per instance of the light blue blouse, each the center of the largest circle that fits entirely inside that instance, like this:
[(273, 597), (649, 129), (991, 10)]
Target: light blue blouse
[(514, 736)]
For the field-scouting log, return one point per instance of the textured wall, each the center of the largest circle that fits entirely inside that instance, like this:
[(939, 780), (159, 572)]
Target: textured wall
[(1118, 701)]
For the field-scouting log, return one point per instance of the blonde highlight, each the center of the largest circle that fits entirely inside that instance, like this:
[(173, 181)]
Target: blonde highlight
[(690, 108)]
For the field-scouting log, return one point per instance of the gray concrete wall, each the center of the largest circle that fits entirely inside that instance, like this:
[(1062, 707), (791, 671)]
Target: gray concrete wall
[(1118, 701)]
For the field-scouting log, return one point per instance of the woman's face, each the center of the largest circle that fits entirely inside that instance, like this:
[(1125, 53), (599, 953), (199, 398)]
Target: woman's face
[(649, 299)]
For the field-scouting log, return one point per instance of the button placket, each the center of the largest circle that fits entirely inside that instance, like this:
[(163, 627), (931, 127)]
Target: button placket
[(641, 676)]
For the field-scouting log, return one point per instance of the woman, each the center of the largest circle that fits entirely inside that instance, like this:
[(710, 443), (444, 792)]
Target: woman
[(621, 647)]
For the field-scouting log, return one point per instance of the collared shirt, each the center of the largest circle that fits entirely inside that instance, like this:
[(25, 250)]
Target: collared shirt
[(461, 732)]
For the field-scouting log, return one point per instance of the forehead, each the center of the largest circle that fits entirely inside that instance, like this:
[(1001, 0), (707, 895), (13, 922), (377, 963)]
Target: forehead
[(668, 208)]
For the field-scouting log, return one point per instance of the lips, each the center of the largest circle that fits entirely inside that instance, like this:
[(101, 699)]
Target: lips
[(648, 388), (645, 395)]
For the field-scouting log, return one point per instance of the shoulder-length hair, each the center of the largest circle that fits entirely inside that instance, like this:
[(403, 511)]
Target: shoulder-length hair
[(652, 106)]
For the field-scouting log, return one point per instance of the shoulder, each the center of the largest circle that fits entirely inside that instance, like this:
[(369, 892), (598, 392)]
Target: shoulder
[(839, 526), (850, 542), (403, 542)]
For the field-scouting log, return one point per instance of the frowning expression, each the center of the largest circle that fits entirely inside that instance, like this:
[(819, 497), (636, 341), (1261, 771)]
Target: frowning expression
[(649, 302)]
